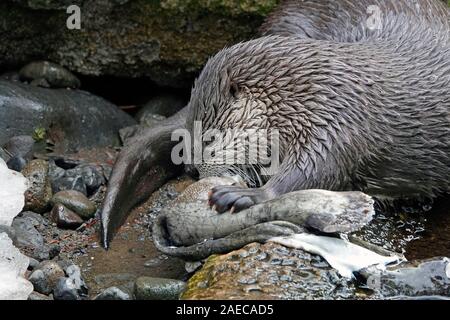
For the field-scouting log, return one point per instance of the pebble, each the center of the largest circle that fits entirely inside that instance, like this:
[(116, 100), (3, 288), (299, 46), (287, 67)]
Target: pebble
[(113, 293), (39, 296), (48, 74), (65, 218), (38, 195), (46, 276), (71, 288), (16, 163), (147, 288), (75, 201)]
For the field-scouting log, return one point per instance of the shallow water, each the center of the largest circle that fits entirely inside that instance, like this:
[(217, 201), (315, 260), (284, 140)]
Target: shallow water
[(435, 239), (418, 235)]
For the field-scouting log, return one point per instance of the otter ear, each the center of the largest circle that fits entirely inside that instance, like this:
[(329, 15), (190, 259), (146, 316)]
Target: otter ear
[(230, 84)]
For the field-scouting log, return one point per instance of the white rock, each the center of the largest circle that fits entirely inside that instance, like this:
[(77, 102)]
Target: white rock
[(13, 265), (12, 188)]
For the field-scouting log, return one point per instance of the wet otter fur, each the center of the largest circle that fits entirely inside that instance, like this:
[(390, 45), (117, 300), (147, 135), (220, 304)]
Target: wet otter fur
[(357, 108)]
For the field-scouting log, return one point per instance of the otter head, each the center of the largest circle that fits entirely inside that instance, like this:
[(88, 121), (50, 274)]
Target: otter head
[(248, 91)]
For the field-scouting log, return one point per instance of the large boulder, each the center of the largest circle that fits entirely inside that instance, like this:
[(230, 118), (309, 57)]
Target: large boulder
[(166, 40), (69, 118)]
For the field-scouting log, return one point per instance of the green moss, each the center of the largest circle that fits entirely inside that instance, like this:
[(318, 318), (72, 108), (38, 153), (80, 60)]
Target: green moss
[(199, 279)]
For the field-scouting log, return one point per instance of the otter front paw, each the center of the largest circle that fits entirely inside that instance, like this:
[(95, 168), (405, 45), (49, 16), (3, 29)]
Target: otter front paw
[(235, 198)]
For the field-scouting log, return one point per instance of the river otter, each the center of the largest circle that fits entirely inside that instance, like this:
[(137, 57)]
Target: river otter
[(359, 92)]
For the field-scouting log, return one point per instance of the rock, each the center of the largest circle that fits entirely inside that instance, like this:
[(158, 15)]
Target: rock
[(4, 155), (269, 271), (129, 132), (65, 218), (164, 105), (41, 82), (39, 194), (29, 239), (54, 75), (69, 183), (33, 264), (70, 119), (16, 163), (72, 287), (12, 188), (85, 178), (20, 146), (167, 40), (11, 76), (429, 277), (39, 296), (147, 288), (10, 232), (46, 276), (13, 265), (40, 283), (113, 293), (75, 201)]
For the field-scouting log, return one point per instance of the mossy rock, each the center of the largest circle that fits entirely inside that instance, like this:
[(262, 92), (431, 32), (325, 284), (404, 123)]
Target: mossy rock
[(166, 40)]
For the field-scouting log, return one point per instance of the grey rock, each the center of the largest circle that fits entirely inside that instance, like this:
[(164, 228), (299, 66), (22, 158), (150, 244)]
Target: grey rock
[(71, 119), (75, 201), (113, 293), (69, 183), (16, 163), (41, 82), (71, 288), (429, 277), (45, 277), (164, 105), (38, 195), (10, 232), (4, 155), (65, 218), (40, 283), (36, 296), (33, 263), (147, 288), (28, 238), (52, 74), (20, 146)]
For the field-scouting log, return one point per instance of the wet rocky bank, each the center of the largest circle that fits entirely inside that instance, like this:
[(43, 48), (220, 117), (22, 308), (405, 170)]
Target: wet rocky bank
[(69, 101)]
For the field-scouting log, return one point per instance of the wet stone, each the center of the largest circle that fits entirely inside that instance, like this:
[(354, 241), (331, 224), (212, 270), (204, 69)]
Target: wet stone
[(36, 296), (71, 288), (48, 74), (75, 201), (29, 239), (38, 195), (113, 293), (16, 163), (147, 288), (45, 277), (65, 218)]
